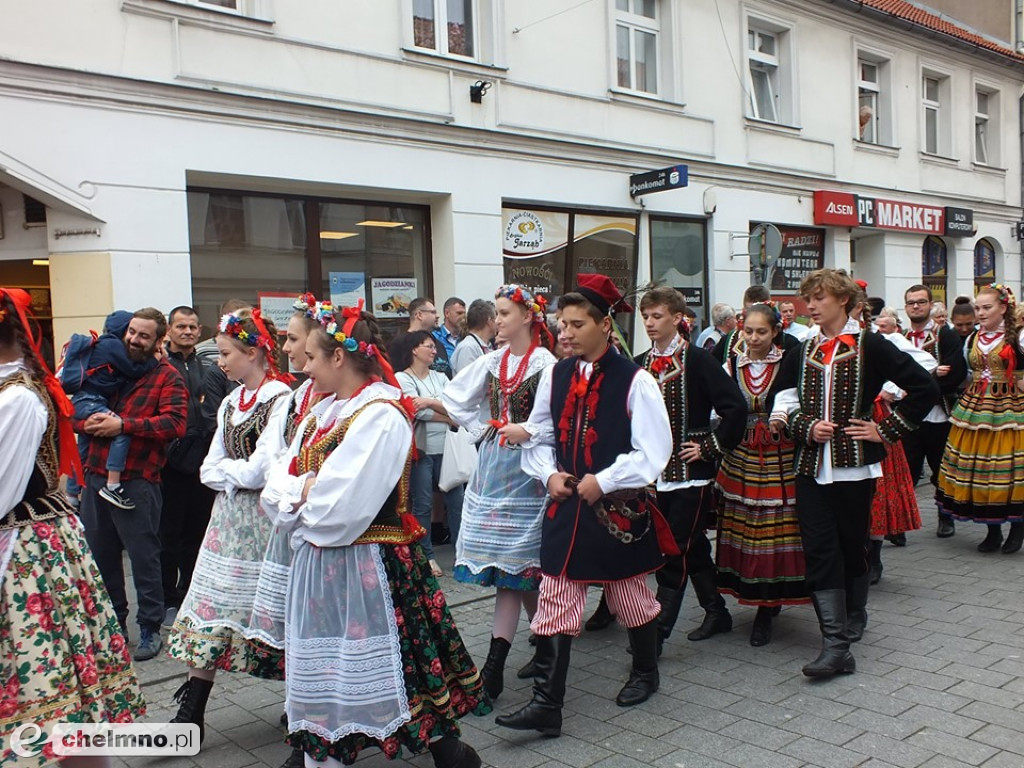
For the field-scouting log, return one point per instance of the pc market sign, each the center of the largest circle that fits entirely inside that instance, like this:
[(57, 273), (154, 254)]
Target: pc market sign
[(658, 181)]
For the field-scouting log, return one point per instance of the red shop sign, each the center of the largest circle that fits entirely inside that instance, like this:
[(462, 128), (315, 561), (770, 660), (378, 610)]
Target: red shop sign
[(837, 209)]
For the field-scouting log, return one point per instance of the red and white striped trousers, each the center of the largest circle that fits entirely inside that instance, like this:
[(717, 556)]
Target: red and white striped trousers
[(560, 608)]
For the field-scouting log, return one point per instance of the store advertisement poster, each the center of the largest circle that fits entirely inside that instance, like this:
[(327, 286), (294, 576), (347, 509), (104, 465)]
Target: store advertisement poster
[(392, 296), (278, 307), (347, 288)]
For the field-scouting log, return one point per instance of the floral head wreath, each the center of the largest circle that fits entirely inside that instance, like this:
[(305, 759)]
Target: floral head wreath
[(305, 303), (231, 325), (535, 305), (327, 316), (1005, 294)]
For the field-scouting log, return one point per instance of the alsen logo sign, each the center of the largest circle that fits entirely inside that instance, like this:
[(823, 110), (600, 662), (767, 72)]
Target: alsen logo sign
[(841, 209)]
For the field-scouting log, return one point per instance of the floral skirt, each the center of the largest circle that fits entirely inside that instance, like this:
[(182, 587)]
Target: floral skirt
[(265, 634), (894, 507), (492, 576), (63, 657), (439, 680)]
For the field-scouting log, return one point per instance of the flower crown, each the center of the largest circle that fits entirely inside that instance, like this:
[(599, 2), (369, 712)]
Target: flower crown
[(535, 305), (325, 314), (1005, 294), (305, 303), (231, 325)]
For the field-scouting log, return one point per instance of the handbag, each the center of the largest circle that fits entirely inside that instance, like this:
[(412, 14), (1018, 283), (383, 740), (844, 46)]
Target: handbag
[(458, 460)]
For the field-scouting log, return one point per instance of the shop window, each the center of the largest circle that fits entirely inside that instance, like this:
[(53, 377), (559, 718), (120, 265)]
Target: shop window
[(874, 114), (445, 26), (637, 28), (546, 249), (267, 250), (679, 260), (935, 114), (984, 263), (934, 267)]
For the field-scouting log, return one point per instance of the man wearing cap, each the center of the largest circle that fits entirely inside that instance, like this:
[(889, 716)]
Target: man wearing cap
[(603, 437)]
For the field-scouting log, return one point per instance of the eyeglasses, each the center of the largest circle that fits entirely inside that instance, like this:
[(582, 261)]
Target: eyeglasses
[(918, 303)]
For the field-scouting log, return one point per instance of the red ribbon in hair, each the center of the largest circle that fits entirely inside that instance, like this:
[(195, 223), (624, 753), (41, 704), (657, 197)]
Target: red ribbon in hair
[(352, 316), (268, 348), (67, 447)]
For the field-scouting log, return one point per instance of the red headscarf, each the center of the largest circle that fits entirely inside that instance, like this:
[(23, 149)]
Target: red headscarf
[(67, 450)]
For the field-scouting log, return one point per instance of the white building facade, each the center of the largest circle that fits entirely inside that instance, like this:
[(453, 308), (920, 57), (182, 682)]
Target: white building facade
[(186, 152)]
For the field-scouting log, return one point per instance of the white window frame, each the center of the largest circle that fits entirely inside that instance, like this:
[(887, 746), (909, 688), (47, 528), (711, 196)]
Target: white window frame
[(242, 7), (778, 68), (991, 122), (441, 30), (941, 108), (634, 24)]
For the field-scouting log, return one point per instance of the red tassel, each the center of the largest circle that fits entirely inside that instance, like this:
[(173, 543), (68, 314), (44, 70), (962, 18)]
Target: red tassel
[(552, 509), (666, 541), (1006, 353), (293, 466), (588, 441)]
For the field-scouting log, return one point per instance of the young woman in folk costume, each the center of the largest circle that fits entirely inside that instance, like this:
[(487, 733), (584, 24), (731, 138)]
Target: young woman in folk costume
[(209, 633), (760, 557), (499, 543), (63, 657), (981, 476), (373, 657)]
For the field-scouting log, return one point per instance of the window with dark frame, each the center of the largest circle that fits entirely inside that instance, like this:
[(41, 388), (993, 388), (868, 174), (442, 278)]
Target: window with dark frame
[(984, 263), (934, 266)]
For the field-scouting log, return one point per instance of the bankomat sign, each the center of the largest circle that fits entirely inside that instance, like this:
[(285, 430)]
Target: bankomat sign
[(842, 209)]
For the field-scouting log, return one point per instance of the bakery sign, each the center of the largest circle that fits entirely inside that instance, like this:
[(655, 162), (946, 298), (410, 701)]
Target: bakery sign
[(842, 209)]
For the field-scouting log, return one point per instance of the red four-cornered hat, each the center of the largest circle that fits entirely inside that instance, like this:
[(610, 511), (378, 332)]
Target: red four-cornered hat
[(600, 291)]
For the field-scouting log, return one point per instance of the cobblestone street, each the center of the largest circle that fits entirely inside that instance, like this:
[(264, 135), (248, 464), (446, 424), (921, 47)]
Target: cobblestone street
[(939, 683)]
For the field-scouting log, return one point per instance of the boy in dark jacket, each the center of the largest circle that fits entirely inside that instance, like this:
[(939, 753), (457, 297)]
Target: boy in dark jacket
[(109, 370)]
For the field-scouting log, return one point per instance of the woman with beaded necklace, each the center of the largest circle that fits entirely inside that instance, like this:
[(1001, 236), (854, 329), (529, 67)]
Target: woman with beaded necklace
[(760, 558), (209, 633), (981, 477), (499, 544)]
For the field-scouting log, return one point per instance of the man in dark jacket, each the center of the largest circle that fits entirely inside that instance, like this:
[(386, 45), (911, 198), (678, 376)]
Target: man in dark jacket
[(186, 501)]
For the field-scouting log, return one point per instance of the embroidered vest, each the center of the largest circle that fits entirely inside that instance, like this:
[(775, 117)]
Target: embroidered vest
[(386, 527), (240, 439), (520, 402), (672, 382), (931, 343), (998, 381)]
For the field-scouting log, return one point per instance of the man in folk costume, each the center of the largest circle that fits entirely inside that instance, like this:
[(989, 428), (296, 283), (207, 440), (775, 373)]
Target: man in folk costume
[(943, 343), (692, 384), (836, 376), (604, 437)]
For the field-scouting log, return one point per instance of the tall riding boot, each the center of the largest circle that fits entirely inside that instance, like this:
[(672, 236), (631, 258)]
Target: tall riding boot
[(716, 616), (761, 629), (544, 712), (451, 752), (993, 539), (857, 606), (835, 656), (671, 601), (1015, 539), (191, 698), (875, 561), (643, 678), (602, 616), (493, 672)]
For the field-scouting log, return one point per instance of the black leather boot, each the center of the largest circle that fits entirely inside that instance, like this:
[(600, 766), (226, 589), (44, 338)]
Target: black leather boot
[(1015, 539), (297, 759), (643, 678), (946, 527), (602, 617), (857, 606), (716, 616), (992, 541), (544, 712), (761, 630), (493, 672), (875, 561), (191, 698), (835, 657), (671, 601), (451, 752)]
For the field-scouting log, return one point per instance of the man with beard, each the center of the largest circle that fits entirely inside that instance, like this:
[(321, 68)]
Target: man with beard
[(153, 411)]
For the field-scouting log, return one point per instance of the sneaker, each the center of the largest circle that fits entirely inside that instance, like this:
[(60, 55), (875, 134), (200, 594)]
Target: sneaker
[(117, 496), (149, 645), (170, 617)]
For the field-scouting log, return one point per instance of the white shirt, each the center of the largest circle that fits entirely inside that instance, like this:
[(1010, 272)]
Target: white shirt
[(798, 331), (925, 359), (354, 481), (651, 436), (466, 351), (22, 425)]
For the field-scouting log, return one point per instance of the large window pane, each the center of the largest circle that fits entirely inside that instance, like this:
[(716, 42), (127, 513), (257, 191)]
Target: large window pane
[(606, 245), (646, 62), (763, 96), (678, 260), (535, 248), (622, 56), (423, 24), (648, 8), (460, 27), (934, 267), (931, 131)]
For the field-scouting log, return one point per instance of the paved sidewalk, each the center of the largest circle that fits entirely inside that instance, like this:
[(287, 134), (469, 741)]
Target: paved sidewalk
[(939, 683)]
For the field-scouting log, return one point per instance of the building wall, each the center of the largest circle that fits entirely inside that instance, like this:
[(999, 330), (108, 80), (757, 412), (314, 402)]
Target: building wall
[(992, 17)]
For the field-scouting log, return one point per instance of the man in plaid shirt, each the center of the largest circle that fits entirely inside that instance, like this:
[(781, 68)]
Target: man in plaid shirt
[(153, 411)]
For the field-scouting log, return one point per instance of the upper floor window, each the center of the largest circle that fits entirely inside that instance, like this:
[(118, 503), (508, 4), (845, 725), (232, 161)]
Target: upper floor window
[(445, 26), (986, 126), (762, 52), (935, 117), (637, 24), (874, 104)]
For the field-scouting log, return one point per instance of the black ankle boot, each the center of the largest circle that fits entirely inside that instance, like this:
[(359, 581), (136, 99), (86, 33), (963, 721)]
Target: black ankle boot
[(602, 617), (191, 698), (875, 560), (297, 759), (544, 712), (1015, 539), (835, 657), (451, 752), (946, 527), (761, 630), (857, 607), (643, 678), (493, 672), (716, 616), (992, 540)]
